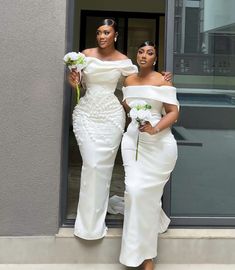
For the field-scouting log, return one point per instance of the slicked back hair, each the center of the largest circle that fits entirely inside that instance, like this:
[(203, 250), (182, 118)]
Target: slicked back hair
[(109, 22), (148, 43)]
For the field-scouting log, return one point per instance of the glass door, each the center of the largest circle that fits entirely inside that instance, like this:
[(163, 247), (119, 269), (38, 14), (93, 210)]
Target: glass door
[(200, 51)]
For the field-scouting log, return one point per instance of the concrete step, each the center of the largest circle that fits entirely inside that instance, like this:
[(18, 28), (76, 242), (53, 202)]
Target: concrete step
[(176, 246), (113, 267)]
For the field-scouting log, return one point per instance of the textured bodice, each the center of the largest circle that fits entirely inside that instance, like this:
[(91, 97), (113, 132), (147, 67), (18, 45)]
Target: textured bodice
[(99, 114), (101, 78)]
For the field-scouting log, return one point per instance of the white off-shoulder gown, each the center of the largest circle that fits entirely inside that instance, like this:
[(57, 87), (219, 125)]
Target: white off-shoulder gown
[(98, 123), (146, 177)]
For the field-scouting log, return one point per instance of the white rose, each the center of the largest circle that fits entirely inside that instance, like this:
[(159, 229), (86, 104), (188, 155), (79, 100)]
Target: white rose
[(142, 114), (70, 56), (66, 58), (73, 56), (80, 66), (148, 115), (133, 113)]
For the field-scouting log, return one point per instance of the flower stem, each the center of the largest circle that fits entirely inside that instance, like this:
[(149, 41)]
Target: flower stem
[(137, 147), (78, 92)]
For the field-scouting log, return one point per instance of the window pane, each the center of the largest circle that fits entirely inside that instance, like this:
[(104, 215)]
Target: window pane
[(204, 51), (203, 182)]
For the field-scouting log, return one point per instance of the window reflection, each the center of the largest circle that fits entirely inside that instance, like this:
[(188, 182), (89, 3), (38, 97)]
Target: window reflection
[(204, 68), (204, 49)]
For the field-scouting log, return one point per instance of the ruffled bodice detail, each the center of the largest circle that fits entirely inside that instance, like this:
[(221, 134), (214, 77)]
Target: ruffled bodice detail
[(101, 77), (99, 113), (154, 96)]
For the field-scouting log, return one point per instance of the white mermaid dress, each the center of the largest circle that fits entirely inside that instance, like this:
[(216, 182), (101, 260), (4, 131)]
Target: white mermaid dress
[(146, 177), (98, 123)]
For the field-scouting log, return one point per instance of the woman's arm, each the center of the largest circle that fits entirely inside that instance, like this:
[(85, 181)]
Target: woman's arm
[(167, 120), (127, 109)]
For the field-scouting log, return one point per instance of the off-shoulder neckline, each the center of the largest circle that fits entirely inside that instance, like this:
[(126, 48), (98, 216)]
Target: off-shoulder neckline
[(127, 59), (148, 85)]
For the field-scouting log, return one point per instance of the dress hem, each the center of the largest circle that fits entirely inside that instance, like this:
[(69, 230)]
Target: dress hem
[(139, 263), (90, 238)]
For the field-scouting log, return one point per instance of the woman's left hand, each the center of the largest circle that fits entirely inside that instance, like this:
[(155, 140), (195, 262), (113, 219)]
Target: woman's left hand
[(147, 127), (167, 76)]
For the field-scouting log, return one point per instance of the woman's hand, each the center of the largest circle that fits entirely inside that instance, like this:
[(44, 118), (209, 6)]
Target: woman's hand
[(167, 76), (166, 121), (73, 78), (147, 127)]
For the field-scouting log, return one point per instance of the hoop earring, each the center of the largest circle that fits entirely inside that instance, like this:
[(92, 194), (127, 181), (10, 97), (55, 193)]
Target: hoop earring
[(154, 63)]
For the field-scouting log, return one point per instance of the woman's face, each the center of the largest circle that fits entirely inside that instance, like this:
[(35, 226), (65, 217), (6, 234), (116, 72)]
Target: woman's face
[(146, 56), (105, 36)]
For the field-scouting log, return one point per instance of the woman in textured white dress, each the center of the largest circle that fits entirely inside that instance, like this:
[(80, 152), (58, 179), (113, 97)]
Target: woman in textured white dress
[(146, 176), (98, 123)]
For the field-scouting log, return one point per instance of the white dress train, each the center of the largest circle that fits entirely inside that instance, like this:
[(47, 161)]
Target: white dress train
[(146, 177), (98, 123)]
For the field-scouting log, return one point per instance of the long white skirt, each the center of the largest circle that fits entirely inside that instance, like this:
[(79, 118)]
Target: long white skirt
[(98, 126), (144, 181)]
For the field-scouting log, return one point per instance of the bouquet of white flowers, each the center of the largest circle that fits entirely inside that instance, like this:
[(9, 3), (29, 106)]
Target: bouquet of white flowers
[(75, 61), (140, 112)]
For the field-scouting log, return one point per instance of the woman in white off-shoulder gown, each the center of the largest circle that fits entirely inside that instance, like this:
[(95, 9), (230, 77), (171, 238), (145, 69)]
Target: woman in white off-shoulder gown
[(146, 176), (98, 123)]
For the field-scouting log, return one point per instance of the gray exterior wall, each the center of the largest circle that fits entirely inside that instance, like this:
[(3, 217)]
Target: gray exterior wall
[(31, 83)]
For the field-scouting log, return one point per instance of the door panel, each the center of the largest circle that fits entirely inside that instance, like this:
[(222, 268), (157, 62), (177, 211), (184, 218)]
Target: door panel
[(201, 191)]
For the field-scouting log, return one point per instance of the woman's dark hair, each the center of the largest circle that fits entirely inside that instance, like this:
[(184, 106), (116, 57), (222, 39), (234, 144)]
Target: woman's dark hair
[(148, 43), (109, 22)]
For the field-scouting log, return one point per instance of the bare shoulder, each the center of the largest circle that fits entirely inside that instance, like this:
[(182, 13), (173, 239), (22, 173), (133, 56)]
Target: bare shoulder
[(120, 56), (130, 80), (89, 52), (160, 80)]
